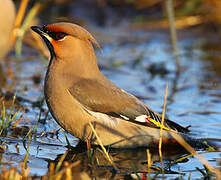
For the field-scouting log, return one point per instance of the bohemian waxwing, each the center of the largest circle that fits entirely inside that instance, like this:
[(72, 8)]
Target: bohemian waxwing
[(77, 93)]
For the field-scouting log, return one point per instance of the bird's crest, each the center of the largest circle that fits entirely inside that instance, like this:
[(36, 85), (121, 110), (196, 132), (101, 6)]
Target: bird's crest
[(73, 30)]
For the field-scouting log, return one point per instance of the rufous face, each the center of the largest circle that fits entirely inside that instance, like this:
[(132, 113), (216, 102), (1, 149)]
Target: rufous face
[(65, 40)]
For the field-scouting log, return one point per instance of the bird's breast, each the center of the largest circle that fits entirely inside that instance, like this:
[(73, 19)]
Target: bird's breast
[(64, 108)]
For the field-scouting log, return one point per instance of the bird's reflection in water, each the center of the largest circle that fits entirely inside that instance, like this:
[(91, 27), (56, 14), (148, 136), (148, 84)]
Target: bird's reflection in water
[(127, 161)]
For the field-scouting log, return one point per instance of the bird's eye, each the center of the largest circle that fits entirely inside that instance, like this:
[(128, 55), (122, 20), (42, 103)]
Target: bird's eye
[(59, 36)]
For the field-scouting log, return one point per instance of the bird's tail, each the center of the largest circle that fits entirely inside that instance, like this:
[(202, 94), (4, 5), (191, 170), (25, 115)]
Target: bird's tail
[(207, 144), (197, 144)]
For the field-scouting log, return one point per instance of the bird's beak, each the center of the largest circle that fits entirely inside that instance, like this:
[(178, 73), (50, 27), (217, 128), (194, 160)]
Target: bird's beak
[(42, 31), (37, 29)]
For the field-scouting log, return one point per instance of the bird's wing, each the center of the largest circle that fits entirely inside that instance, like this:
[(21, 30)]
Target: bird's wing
[(103, 96)]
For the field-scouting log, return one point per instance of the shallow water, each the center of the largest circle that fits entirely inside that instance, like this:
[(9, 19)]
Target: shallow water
[(141, 63)]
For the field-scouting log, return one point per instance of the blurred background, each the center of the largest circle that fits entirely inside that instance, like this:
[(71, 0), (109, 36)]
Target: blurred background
[(146, 44)]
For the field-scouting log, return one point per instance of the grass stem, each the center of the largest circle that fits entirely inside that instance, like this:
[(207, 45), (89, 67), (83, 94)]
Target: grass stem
[(171, 18), (161, 130), (102, 146)]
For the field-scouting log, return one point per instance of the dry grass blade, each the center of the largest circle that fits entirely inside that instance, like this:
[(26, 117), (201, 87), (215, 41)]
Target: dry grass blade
[(102, 146), (19, 18), (182, 158), (182, 142), (24, 171), (14, 174), (68, 172), (60, 161), (149, 164), (68, 167), (161, 129), (51, 170), (3, 148), (19, 119), (159, 125), (31, 14), (171, 18)]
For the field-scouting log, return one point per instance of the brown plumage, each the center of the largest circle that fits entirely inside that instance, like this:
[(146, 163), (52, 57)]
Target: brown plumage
[(77, 93)]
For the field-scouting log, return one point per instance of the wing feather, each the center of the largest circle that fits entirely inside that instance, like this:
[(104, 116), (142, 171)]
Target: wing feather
[(104, 97)]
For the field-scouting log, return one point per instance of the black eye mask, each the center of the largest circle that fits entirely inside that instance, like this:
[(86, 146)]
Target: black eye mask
[(54, 35)]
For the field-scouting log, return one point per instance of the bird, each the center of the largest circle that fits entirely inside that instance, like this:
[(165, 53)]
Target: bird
[(78, 94), (7, 18)]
